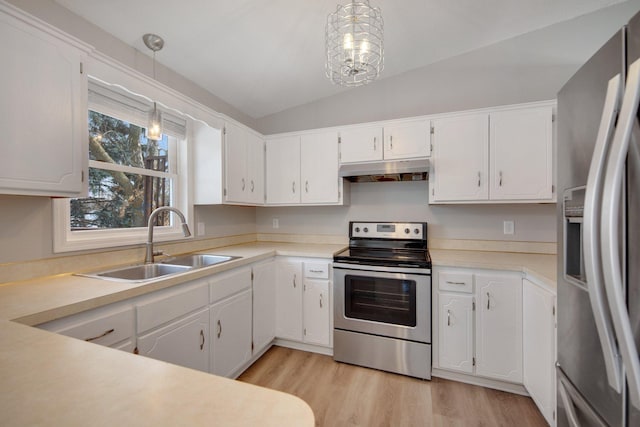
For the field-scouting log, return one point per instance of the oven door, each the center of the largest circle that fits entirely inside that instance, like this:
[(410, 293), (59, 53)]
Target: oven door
[(383, 301)]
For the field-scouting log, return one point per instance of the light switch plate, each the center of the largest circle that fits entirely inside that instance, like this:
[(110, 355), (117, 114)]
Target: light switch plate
[(509, 227), (276, 223), (200, 230)]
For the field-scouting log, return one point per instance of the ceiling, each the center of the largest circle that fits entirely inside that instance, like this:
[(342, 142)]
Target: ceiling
[(263, 57)]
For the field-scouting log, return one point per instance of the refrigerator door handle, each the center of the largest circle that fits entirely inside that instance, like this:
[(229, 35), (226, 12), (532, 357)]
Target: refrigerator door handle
[(591, 235), (610, 249)]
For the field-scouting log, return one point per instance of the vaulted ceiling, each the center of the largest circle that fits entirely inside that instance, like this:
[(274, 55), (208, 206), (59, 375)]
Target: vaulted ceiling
[(263, 57)]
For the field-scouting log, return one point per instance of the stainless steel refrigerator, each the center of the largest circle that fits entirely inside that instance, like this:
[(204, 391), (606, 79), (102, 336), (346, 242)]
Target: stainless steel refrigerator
[(598, 370)]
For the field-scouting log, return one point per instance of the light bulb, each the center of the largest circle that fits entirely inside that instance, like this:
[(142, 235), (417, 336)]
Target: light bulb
[(347, 41), (154, 130), (364, 46)]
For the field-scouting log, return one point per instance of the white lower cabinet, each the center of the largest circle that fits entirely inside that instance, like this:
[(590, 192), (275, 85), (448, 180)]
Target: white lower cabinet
[(231, 311), (231, 334), (303, 301), (499, 326), (264, 305), (480, 326), (173, 325), (539, 330), (111, 326), (455, 349), (183, 342)]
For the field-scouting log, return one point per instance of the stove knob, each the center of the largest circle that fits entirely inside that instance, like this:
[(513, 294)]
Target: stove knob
[(407, 231), (366, 230), (357, 229), (417, 231)]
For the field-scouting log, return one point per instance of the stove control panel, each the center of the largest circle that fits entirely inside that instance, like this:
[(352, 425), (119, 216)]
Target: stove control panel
[(389, 230)]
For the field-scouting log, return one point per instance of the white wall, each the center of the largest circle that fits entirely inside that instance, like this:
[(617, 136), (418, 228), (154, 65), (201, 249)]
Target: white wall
[(407, 201)]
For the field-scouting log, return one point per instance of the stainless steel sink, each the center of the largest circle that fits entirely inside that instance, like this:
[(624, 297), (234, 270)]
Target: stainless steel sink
[(199, 260), (139, 273)]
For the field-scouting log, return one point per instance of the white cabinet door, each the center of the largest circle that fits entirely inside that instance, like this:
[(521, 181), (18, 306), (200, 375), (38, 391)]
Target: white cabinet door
[(499, 326), (289, 300), (407, 140), (316, 312), (235, 144), (539, 347), (255, 169), (264, 304), (183, 342), (521, 154), (459, 159), (319, 168), (455, 332), (283, 170), (43, 113), (231, 334), (206, 143), (361, 144)]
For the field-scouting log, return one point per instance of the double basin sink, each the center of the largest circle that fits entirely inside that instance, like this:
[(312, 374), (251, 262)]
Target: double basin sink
[(174, 265)]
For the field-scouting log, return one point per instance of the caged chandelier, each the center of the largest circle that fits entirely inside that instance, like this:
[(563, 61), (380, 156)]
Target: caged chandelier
[(354, 44)]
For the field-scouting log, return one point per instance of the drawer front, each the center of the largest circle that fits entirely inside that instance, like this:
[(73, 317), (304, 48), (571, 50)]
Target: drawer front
[(226, 284), (105, 328), (316, 270), (455, 281), (171, 305)]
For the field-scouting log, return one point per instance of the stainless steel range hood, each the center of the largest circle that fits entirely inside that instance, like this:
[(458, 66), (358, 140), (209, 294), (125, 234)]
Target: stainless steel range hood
[(387, 170)]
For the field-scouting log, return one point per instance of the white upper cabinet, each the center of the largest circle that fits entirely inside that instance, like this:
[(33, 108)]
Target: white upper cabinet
[(43, 111), (283, 170), (495, 156), (362, 144), (521, 162), (206, 143), (399, 140), (303, 170), (319, 168), (460, 158), (407, 140), (244, 166)]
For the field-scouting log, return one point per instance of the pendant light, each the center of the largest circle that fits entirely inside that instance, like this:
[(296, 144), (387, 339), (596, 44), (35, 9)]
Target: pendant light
[(353, 41), (154, 128)]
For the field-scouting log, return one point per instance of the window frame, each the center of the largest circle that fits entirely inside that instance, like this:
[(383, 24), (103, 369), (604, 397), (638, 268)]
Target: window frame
[(66, 240)]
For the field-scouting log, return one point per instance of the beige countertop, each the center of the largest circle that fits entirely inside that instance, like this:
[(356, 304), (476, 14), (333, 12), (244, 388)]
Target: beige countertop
[(48, 379)]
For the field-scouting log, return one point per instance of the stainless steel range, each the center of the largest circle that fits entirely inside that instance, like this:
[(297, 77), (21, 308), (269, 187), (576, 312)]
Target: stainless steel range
[(382, 298)]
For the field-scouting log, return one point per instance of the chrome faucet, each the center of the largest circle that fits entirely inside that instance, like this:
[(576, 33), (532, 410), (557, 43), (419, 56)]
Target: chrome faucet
[(148, 259)]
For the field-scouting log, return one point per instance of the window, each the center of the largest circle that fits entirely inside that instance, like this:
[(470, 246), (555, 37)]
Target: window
[(129, 177)]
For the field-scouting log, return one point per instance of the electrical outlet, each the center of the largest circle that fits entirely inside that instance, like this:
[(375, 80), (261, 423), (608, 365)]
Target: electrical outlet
[(509, 227), (276, 223), (200, 230)]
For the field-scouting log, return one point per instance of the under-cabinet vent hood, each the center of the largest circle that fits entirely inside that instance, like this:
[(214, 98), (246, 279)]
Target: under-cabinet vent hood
[(388, 170)]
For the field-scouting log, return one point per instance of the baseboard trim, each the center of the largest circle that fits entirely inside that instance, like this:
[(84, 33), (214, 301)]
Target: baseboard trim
[(479, 381), (327, 351)]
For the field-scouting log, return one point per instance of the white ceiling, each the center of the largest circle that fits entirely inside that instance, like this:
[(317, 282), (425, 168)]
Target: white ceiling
[(263, 57)]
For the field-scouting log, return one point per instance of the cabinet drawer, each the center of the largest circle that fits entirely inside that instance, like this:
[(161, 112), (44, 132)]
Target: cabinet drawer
[(171, 305), (456, 281), (103, 326), (316, 270), (230, 283)]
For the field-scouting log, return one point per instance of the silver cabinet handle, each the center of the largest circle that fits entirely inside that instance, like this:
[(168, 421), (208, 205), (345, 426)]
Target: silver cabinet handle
[(591, 235), (202, 339), (610, 250), (391, 141), (448, 317), (374, 144), (500, 183), (316, 271), (449, 282), (294, 280), (219, 328), (306, 186), (110, 331), (478, 179), (320, 300), (293, 187), (243, 184), (252, 186), (488, 301)]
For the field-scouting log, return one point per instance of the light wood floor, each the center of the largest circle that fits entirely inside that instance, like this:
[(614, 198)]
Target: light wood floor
[(346, 395)]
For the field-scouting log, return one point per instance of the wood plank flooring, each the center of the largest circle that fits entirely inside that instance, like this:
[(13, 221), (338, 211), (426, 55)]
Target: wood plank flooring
[(346, 395)]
